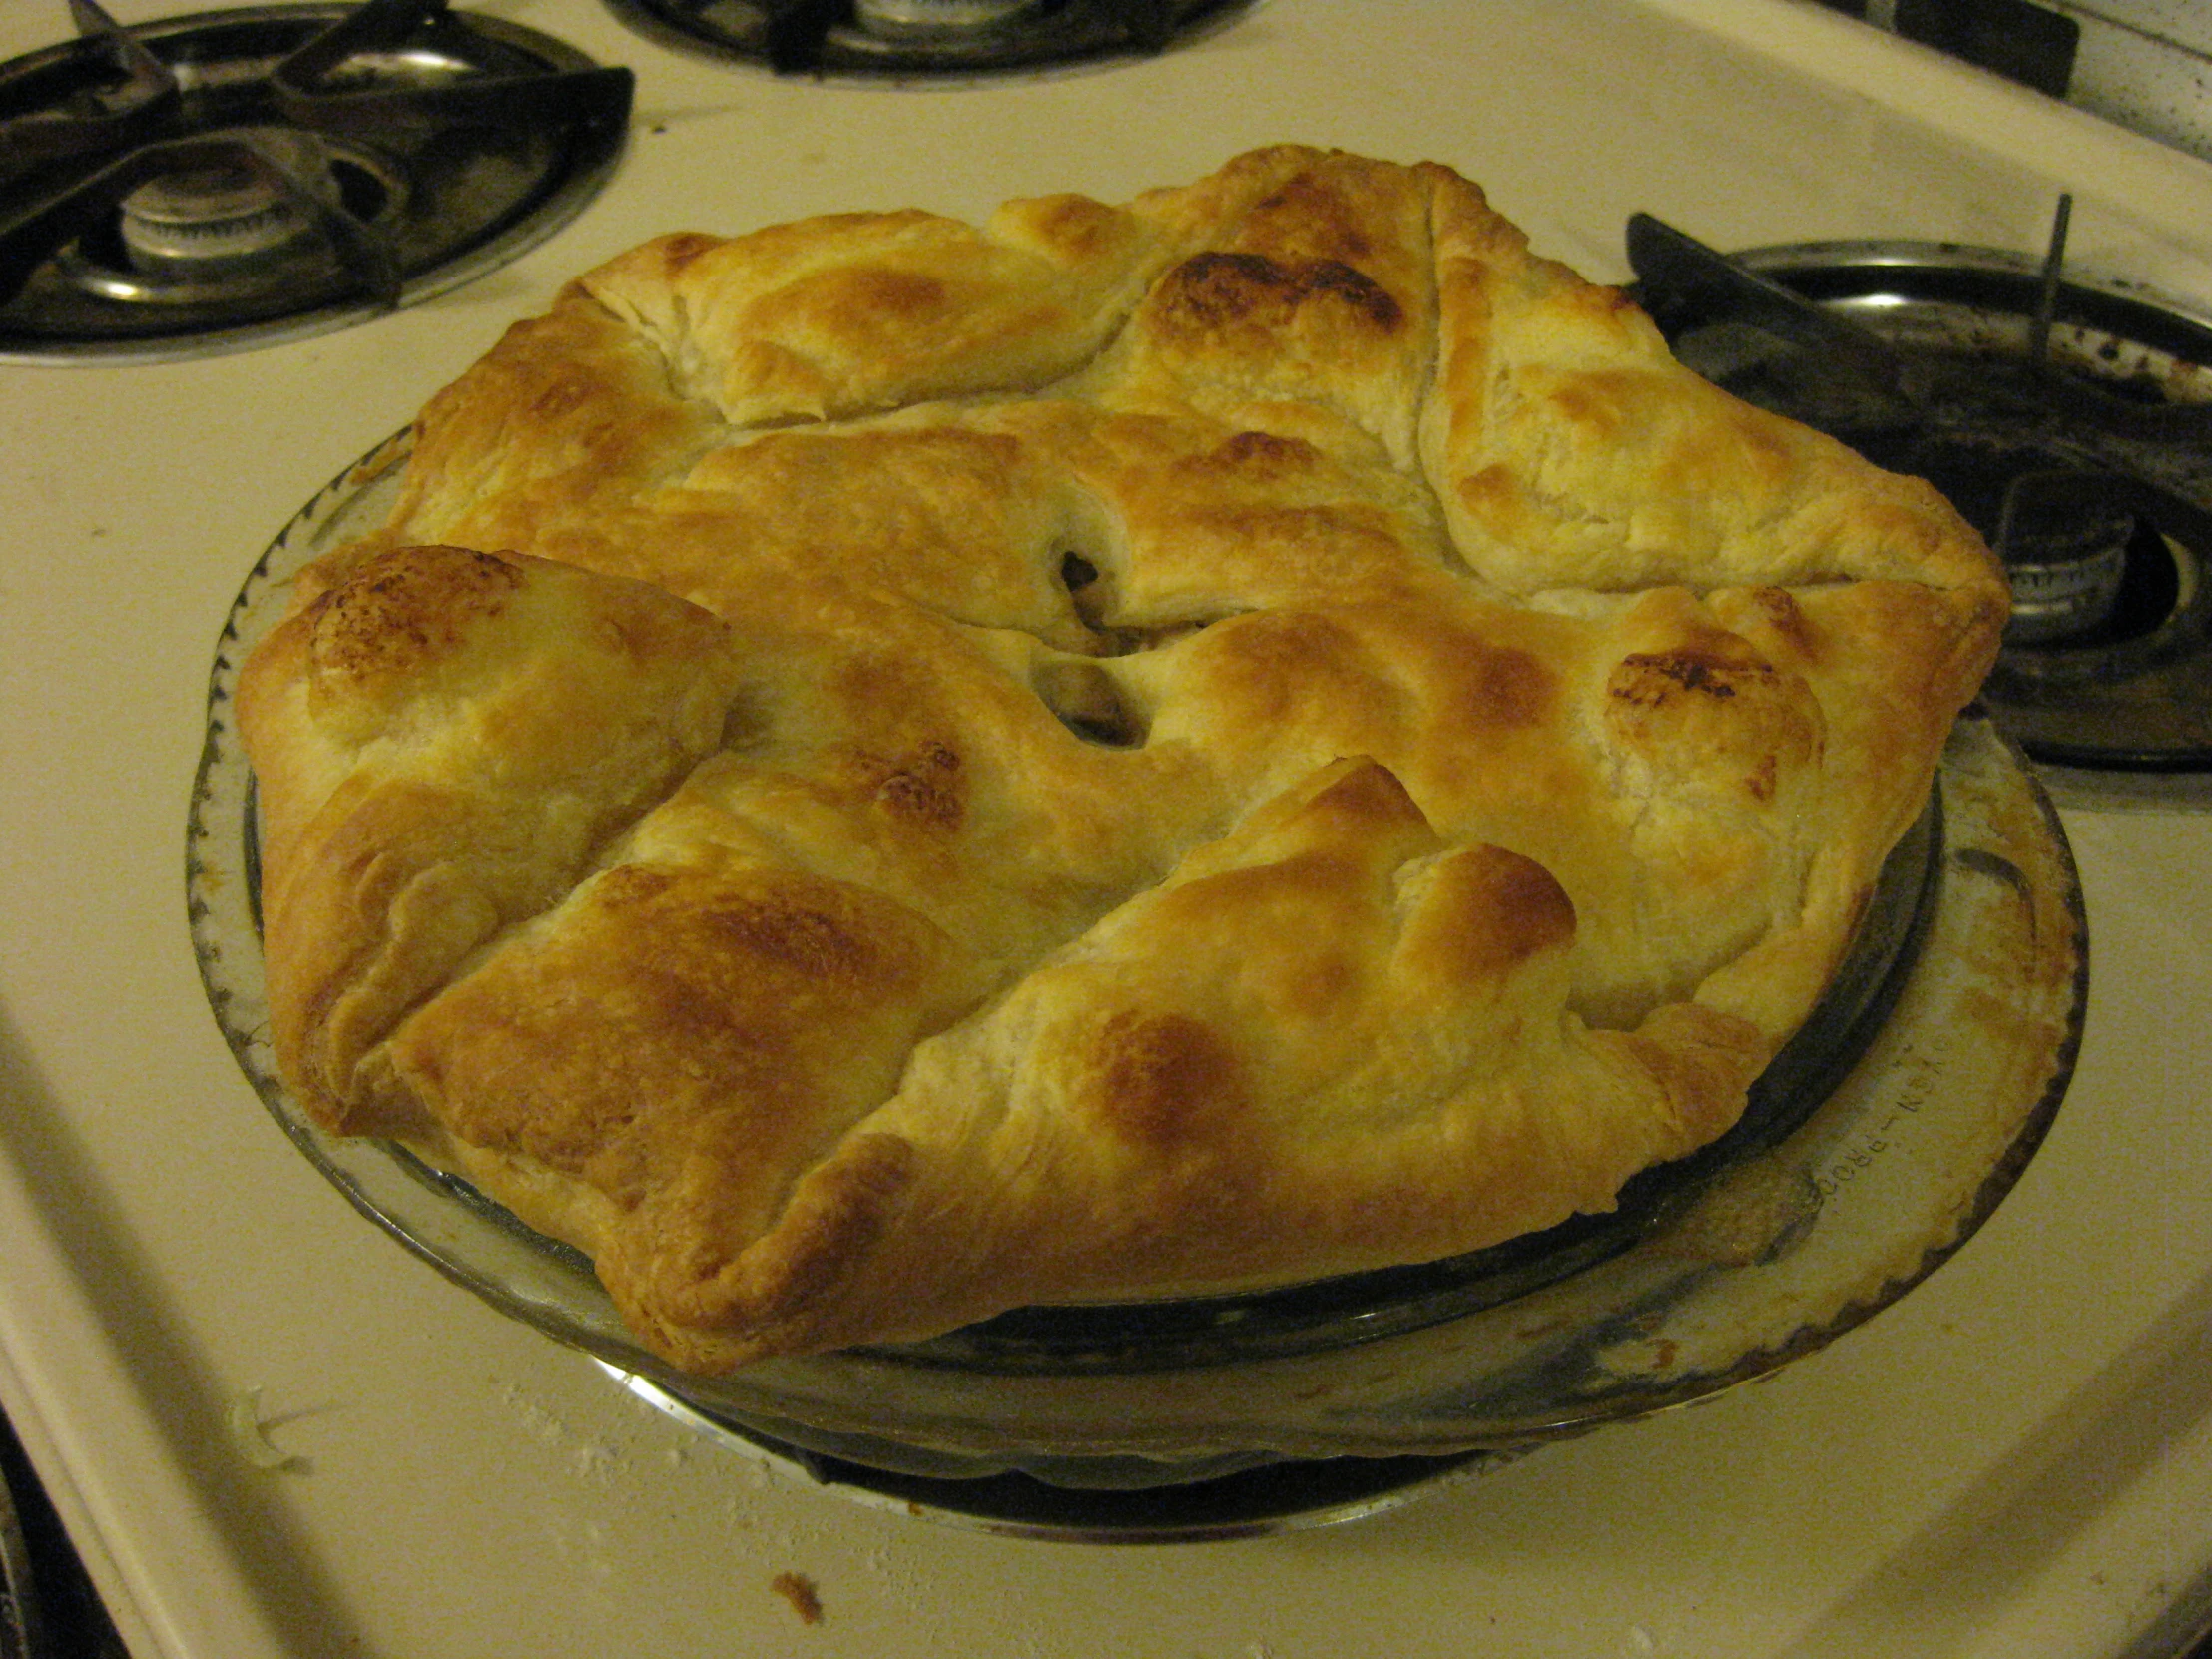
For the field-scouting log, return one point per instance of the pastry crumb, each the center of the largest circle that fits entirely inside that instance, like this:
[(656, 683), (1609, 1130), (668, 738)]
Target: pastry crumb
[(799, 1590)]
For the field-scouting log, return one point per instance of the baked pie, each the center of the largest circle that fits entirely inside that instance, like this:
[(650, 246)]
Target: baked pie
[(883, 771)]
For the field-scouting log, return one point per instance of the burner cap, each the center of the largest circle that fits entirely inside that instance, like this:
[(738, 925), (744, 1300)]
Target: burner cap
[(2068, 565), (895, 18), (210, 214)]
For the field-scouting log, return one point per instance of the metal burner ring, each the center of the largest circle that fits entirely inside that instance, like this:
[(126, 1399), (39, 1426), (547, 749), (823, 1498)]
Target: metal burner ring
[(211, 235), (209, 215)]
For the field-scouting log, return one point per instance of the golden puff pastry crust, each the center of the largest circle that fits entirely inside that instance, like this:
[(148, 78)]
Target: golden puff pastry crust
[(883, 771)]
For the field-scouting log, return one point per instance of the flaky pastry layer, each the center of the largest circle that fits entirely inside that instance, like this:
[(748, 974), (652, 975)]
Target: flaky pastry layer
[(883, 771)]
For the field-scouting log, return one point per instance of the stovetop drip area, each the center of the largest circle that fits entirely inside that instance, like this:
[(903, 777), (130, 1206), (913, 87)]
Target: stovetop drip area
[(274, 1433), (233, 177)]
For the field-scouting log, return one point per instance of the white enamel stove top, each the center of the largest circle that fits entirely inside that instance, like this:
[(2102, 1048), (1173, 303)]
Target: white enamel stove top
[(275, 1432)]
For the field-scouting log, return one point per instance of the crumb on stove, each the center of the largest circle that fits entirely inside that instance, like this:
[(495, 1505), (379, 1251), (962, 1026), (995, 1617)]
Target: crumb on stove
[(799, 1590)]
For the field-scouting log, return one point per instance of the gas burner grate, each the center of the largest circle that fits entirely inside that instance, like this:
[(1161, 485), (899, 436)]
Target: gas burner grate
[(2069, 421), (235, 178), (923, 38)]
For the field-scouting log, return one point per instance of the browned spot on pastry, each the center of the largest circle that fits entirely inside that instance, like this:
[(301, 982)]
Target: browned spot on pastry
[(1215, 288), (1653, 677), (1603, 300), (1508, 687), (806, 938), (1602, 402), (917, 796), (1158, 1078), (1267, 667), (684, 246), (704, 933), (1265, 455), (1319, 217), (1711, 665), (1075, 227), (799, 1590), (905, 293), (682, 1043), (564, 395), (1760, 781), (1368, 795), (1714, 709), (404, 609), (1788, 619), (1362, 292), (1487, 910), (834, 1218), (1491, 493), (1212, 291), (1332, 543), (922, 787)]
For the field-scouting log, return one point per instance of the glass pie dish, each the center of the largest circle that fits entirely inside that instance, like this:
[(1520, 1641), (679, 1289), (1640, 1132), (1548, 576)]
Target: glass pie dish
[(1875, 1145)]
